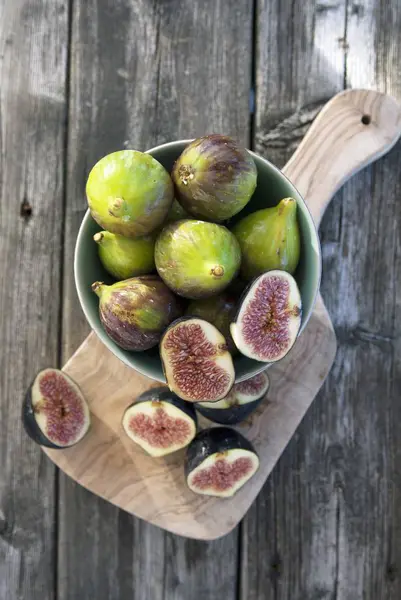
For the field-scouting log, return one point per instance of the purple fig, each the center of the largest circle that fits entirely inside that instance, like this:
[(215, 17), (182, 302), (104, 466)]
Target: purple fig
[(136, 311), (214, 177)]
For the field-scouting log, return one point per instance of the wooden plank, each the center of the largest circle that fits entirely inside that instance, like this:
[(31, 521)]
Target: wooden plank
[(292, 524), (33, 44), (333, 519), (368, 406), (141, 74)]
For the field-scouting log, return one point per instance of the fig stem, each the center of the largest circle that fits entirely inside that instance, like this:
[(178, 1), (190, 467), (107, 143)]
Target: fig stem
[(285, 203), (218, 271), (97, 287), (186, 173), (116, 207), (98, 237)]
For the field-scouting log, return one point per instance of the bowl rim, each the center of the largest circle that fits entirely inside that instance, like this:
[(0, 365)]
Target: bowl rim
[(311, 226)]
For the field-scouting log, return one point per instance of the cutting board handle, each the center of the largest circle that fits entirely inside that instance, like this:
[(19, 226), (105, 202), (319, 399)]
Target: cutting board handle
[(352, 130)]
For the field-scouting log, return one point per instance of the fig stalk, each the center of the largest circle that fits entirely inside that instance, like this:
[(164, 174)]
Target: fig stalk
[(116, 207), (218, 271), (97, 287)]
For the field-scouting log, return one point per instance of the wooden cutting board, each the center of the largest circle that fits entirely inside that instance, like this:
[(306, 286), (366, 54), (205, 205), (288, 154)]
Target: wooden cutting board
[(353, 129)]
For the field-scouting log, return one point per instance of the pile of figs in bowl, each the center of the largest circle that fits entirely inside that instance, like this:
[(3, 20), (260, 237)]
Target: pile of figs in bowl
[(197, 264)]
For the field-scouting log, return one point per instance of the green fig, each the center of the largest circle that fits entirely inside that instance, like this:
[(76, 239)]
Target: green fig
[(176, 213), (129, 193), (124, 257), (214, 177), (269, 239), (197, 259), (135, 312), (219, 311)]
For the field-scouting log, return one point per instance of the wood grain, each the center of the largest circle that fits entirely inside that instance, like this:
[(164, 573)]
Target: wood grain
[(368, 323), (328, 519), (143, 73), (33, 44)]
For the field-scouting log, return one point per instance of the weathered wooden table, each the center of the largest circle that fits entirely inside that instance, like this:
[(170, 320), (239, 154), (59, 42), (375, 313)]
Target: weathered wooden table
[(82, 78)]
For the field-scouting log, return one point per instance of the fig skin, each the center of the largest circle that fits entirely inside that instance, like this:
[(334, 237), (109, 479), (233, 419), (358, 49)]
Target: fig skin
[(197, 259), (176, 213), (129, 193), (269, 239), (136, 311), (218, 310), (124, 257), (214, 177)]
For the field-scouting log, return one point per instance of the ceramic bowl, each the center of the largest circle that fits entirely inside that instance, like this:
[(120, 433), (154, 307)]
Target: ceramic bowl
[(272, 186)]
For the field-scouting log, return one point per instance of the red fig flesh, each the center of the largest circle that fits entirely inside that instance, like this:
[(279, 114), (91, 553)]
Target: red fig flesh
[(269, 317), (160, 422), (219, 461), (55, 412), (196, 362)]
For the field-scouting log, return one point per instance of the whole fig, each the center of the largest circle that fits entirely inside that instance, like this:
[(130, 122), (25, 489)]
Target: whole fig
[(197, 259), (136, 311), (129, 192), (269, 239), (214, 177), (124, 257)]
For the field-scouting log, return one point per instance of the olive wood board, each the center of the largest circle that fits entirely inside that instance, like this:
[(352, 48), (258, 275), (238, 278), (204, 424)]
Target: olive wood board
[(353, 129)]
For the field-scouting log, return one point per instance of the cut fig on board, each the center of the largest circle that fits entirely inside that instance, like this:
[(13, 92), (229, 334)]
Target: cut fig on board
[(219, 461), (160, 422), (268, 317), (196, 362), (55, 413), (240, 402)]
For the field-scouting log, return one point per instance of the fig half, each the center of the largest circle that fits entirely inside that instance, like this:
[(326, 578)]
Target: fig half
[(135, 312), (160, 422), (269, 317), (55, 413), (214, 177), (195, 360), (219, 461), (240, 402)]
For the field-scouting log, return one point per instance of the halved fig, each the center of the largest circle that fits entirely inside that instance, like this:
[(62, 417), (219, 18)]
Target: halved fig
[(196, 362), (160, 422), (240, 402), (269, 317), (55, 413), (219, 461)]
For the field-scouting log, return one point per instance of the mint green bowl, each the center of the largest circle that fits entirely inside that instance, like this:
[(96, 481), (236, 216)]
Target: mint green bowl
[(272, 186)]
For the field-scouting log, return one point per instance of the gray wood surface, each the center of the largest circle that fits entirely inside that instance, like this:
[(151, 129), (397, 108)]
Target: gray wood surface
[(141, 74), (33, 48), (328, 520), (81, 80)]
